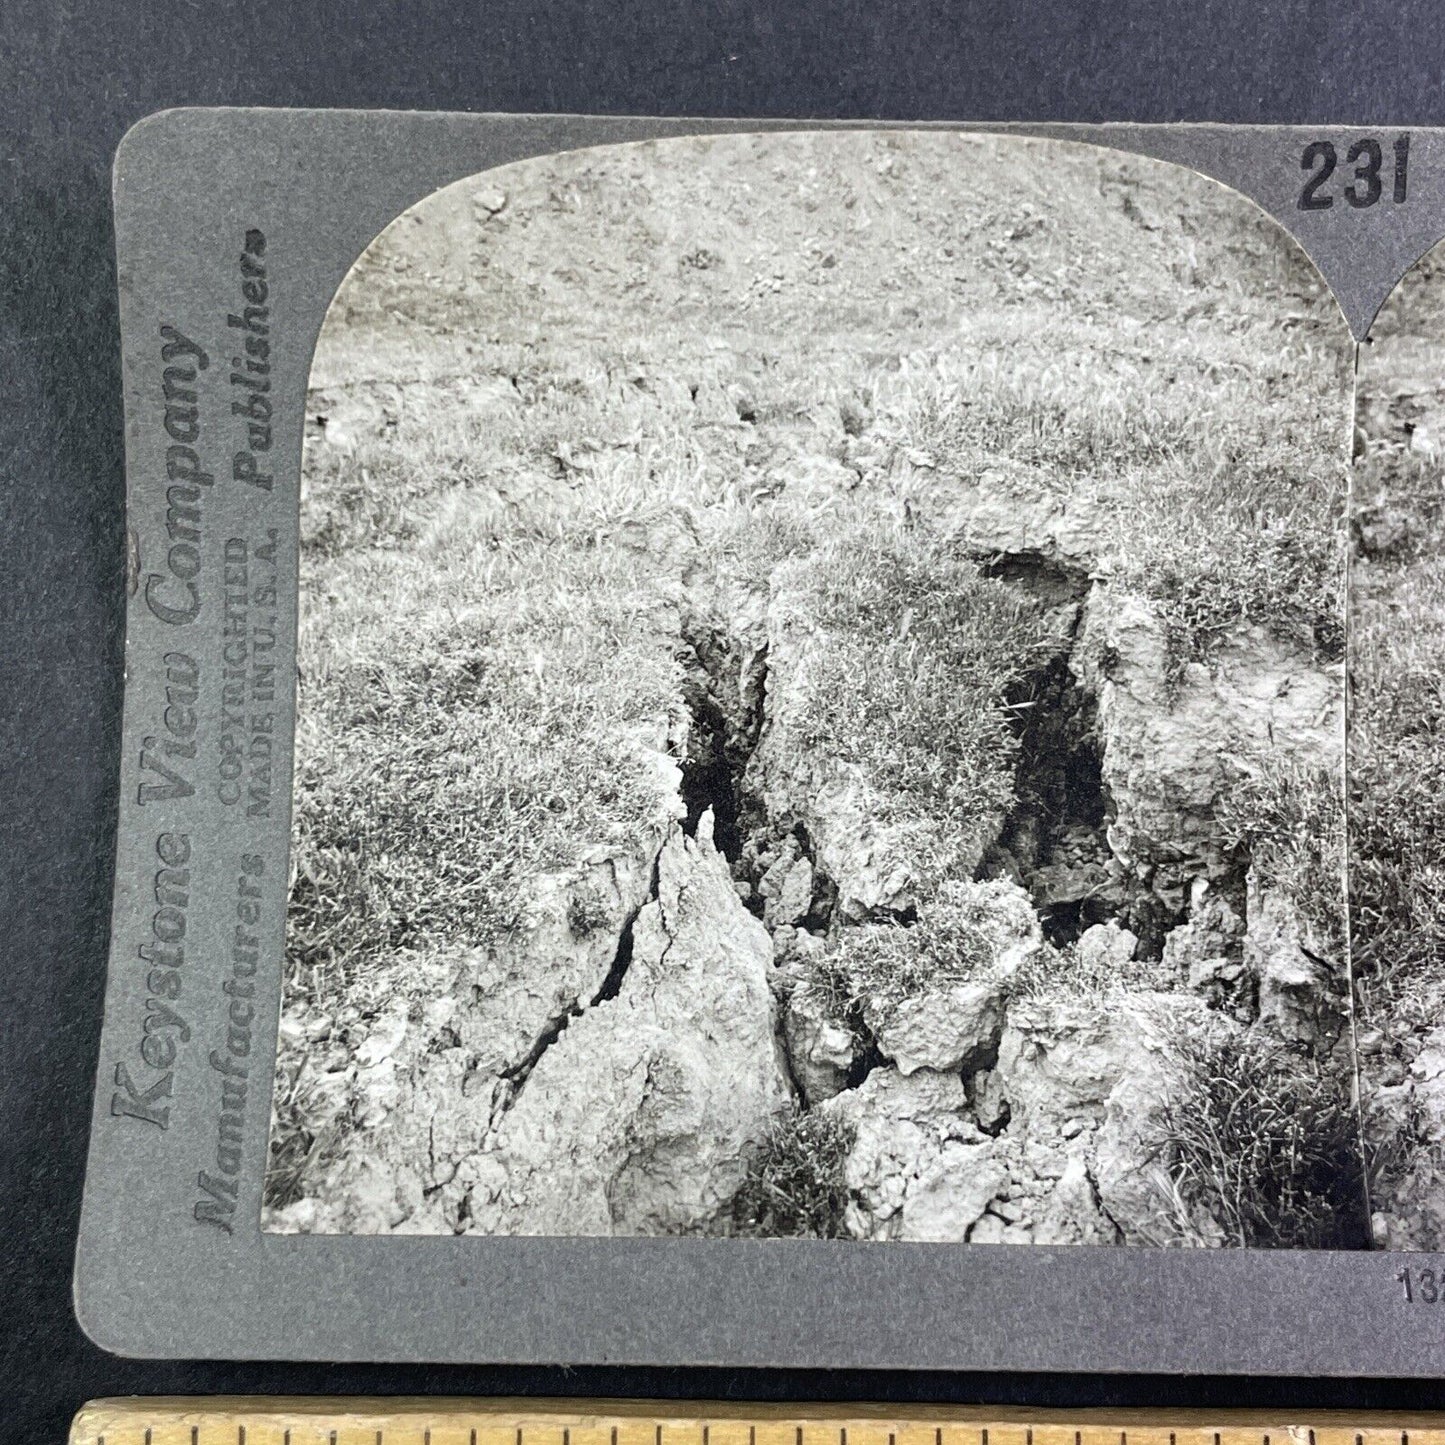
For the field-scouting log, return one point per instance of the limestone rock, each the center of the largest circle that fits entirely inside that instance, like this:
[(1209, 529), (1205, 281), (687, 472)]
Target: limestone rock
[(422, 1091), (955, 1023), (1409, 1194), (1298, 990), (1106, 948), (1059, 1061), (787, 891), (919, 1168), (821, 1048), (1171, 750), (639, 1118), (1073, 1215), (1013, 510)]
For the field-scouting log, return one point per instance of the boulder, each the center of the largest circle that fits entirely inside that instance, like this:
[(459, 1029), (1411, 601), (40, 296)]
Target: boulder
[(821, 1048), (955, 1023), (919, 1167), (640, 1117), (1106, 949)]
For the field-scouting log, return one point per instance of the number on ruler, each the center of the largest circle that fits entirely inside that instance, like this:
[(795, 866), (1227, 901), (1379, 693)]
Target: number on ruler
[(1366, 156)]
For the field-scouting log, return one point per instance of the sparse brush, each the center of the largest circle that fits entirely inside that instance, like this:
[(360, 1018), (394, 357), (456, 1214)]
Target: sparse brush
[(1266, 1141), (796, 1185), (1074, 975)]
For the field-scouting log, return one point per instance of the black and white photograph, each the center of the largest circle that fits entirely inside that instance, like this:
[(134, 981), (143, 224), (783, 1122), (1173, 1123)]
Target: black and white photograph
[(1396, 761), (821, 713)]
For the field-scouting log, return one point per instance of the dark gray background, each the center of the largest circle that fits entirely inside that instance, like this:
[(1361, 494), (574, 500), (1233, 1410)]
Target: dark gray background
[(73, 77)]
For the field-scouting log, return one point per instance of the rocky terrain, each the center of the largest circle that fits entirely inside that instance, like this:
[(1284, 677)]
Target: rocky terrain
[(1397, 765), (823, 710)]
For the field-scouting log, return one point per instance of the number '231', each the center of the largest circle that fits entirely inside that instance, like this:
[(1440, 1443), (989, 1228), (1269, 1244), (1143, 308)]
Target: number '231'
[(1366, 157)]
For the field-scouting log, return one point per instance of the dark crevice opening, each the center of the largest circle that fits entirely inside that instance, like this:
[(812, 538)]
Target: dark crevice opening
[(1053, 840), (723, 691)]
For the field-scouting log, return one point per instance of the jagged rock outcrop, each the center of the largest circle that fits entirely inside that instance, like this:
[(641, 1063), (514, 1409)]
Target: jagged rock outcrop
[(821, 1047), (639, 1120), (422, 1084), (1173, 746)]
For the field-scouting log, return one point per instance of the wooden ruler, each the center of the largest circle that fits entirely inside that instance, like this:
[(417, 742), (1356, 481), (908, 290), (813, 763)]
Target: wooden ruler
[(261, 1421)]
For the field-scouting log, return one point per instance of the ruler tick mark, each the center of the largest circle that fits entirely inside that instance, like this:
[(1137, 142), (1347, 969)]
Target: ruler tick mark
[(614, 1435), (195, 1434), (471, 1439)]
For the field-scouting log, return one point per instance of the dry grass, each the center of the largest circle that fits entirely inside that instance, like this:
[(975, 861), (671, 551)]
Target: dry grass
[(1265, 1141), (796, 1186), (1289, 821), (904, 676)]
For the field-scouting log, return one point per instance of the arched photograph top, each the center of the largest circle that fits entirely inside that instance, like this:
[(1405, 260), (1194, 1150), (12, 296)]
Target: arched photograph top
[(821, 709)]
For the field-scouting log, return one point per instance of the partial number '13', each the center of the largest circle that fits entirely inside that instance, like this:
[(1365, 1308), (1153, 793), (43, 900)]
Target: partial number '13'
[(1365, 186)]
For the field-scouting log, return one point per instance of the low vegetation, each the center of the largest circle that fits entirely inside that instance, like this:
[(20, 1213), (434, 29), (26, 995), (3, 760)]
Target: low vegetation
[(1263, 1141), (624, 397), (1289, 821), (796, 1186), (905, 675)]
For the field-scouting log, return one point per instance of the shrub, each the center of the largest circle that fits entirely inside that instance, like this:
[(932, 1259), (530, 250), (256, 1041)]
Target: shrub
[(1266, 1141), (796, 1186)]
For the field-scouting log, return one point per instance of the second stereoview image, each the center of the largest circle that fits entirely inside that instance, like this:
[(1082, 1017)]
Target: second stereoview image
[(822, 713)]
